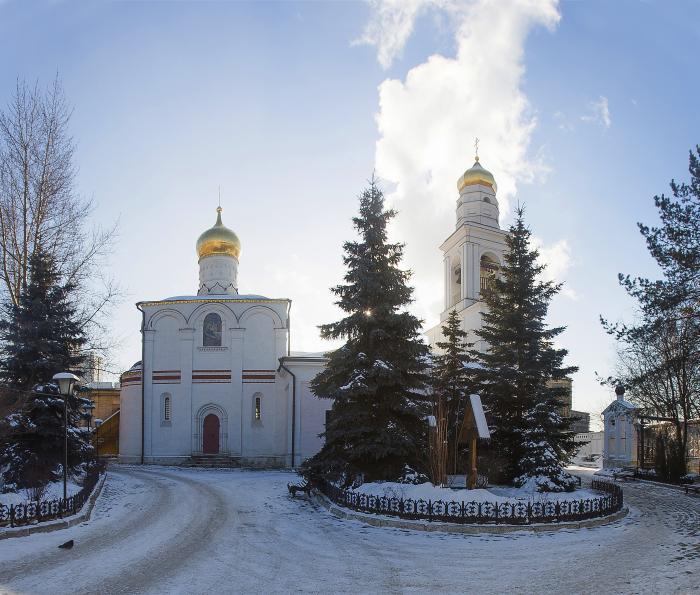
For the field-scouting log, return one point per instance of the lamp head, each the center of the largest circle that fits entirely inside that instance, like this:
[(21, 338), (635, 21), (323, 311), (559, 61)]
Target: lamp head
[(66, 382), (98, 423)]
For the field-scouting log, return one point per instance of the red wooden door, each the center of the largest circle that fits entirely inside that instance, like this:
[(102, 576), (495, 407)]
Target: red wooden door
[(210, 439)]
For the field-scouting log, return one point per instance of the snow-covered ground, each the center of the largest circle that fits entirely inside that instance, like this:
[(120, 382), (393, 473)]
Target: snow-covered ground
[(168, 530), (54, 491), (427, 491)]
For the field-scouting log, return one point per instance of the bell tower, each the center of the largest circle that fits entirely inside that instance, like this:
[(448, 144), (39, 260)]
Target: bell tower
[(472, 253)]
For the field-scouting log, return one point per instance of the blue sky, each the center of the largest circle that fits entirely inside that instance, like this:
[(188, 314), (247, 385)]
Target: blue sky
[(584, 111)]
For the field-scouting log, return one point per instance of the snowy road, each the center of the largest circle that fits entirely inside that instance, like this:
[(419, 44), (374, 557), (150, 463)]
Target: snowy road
[(167, 530)]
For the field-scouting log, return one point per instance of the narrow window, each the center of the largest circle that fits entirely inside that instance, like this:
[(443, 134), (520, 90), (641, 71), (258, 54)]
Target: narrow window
[(257, 408), (165, 409), (211, 333)]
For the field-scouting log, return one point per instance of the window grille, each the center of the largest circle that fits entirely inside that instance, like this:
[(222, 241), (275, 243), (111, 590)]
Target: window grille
[(258, 413)]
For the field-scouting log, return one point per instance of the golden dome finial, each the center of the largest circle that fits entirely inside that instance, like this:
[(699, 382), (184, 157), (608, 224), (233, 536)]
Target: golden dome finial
[(218, 240), (476, 149)]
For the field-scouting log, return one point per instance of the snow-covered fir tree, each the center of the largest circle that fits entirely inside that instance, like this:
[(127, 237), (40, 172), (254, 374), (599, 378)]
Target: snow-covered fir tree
[(40, 337), (452, 380), (376, 427), (531, 440)]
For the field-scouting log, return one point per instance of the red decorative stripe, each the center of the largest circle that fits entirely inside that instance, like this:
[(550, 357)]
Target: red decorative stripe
[(252, 377), (244, 371), (211, 377), (166, 371), (207, 371)]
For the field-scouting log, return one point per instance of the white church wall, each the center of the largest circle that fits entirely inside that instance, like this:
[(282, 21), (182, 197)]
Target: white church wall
[(260, 346), (313, 420), (262, 447), (130, 419)]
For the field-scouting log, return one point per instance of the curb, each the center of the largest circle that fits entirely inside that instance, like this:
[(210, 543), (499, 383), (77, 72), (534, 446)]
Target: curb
[(382, 521), (58, 524), (673, 486)]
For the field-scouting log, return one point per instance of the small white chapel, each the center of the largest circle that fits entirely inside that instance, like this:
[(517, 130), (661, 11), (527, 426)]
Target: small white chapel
[(216, 378)]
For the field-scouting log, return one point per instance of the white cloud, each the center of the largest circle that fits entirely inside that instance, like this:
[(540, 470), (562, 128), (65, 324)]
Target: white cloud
[(563, 123), (427, 122), (557, 258), (599, 112), (390, 26)]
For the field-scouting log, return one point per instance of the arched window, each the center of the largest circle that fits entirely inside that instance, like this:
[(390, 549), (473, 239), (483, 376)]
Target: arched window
[(488, 270), (211, 333), (166, 409)]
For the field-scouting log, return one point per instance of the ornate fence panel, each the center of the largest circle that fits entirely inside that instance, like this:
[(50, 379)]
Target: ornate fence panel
[(30, 513), (512, 513)]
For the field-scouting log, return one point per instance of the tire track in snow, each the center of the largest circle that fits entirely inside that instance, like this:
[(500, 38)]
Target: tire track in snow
[(174, 556), (120, 529)]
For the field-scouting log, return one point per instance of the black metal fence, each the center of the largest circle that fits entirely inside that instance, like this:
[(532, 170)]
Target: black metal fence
[(29, 513), (512, 513)]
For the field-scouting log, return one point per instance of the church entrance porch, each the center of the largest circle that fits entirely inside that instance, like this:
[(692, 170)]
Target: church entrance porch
[(210, 435)]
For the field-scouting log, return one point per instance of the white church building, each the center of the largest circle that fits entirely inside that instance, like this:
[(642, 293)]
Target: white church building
[(217, 378)]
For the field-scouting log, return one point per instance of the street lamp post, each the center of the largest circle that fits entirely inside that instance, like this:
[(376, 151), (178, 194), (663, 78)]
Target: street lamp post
[(90, 409), (98, 423), (66, 382)]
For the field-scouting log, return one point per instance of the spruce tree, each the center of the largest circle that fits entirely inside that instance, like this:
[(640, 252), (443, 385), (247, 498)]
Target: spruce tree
[(40, 337), (658, 354), (675, 246), (530, 438), (41, 334), (452, 380), (376, 427)]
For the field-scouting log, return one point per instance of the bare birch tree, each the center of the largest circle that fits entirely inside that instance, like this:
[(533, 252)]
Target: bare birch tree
[(39, 204)]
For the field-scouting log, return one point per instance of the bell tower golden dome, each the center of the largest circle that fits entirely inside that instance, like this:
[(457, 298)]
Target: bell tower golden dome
[(218, 240), (476, 175)]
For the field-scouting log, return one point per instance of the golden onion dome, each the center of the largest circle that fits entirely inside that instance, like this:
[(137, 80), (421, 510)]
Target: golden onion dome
[(476, 175), (218, 240)]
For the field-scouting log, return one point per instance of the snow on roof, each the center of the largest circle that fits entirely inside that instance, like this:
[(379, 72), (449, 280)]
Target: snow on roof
[(622, 403), (102, 385), (223, 296), (479, 418)]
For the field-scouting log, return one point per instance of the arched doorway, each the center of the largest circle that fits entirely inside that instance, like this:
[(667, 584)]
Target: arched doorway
[(210, 435)]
